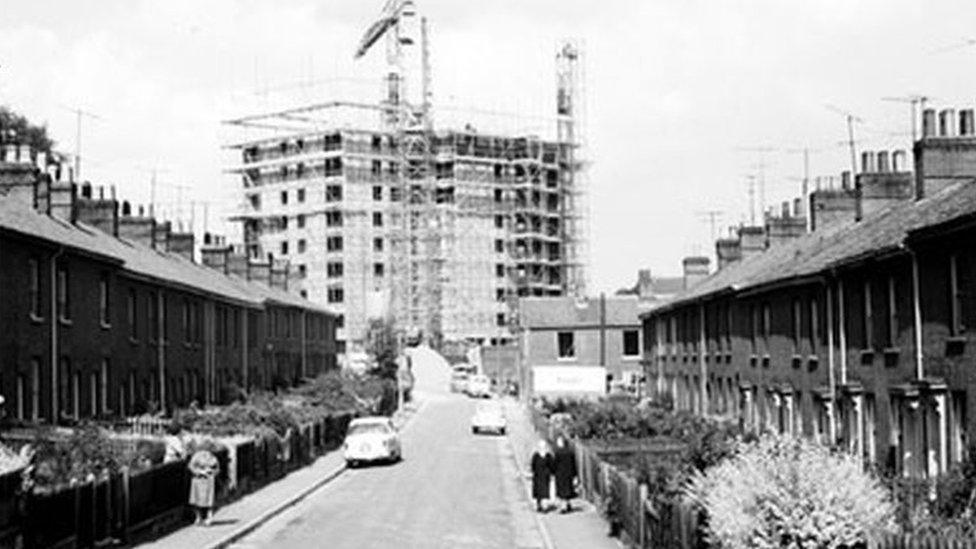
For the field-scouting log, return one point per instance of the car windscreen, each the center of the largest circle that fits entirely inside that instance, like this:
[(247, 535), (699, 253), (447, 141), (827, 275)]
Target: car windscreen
[(368, 429)]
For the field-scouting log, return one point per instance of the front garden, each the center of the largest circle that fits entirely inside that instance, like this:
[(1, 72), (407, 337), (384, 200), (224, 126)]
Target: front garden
[(670, 478)]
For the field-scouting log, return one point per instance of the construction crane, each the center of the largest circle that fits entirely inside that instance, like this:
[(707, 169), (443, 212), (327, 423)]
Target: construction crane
[(851, 120), (917, 103), (416, 248)]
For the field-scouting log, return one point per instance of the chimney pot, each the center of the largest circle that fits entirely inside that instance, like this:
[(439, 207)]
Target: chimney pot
[(883, 164), (966, 122), (86, 190), (785, 207), (845, 180), (867, 162), (798, 207), (898, 161), (947, 122), (142, 211), (928, 123)]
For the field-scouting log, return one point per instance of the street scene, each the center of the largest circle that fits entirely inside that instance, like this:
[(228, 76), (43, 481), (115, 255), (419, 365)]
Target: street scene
[(424, 274)]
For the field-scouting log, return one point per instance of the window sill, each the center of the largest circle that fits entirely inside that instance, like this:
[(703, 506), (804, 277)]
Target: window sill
[(65, 321), (36, 319), (765, 361), (753, 360), (133, 340), (105, 326), (813, 361), (566, 359), (630, 357)]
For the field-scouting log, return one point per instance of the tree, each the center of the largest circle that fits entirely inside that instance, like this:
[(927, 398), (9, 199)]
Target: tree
[(381, 342), (787, 492), (15, 128)]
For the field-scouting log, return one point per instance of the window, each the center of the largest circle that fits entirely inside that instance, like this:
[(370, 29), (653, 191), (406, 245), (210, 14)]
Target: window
[(185, 316), (284, 247), (377, 244), (64, 377), (500, 319), (300, 221), (797, 326), (765, 326), (333, 219), (103, 381), (378, 270), (754, 328), (565, 345), (333, 244), (333, 269), (34, 286), (377, 193), (956, 296), (284, 222), (21, 413), (301, 245), (301, 195), (868, 316), (35, 388), (63, 298), (333, 193), (631, 342), (284, 196), (377, 219), (500, 270), (93, 394), (499, 245), (814, 326), (499, 294), (152, 315), (302, 270), (335, 295), (394, 194), (130, 313), (499, 222), (892, 317)]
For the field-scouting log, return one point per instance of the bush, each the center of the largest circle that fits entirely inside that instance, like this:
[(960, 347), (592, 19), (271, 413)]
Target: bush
[(785, 492), (86, 453)]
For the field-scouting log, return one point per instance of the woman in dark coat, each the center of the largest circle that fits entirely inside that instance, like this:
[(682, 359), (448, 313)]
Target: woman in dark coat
[(564, 463), (542, 464)]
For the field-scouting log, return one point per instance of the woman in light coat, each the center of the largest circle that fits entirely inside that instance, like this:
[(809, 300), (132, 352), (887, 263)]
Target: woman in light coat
[(203, 468)]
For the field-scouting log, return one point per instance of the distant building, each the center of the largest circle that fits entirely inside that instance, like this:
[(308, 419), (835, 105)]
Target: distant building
[(601, 331)]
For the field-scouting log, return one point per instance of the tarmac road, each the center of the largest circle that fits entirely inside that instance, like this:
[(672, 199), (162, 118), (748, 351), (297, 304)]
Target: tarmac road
[(453, 489)]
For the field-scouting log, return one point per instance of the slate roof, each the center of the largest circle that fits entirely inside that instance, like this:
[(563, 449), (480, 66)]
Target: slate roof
[(554, 312), (878, 234), (143, 260)]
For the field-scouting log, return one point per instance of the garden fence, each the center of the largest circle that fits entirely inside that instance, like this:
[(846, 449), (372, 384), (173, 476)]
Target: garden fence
[(909, 541), (126, 508)]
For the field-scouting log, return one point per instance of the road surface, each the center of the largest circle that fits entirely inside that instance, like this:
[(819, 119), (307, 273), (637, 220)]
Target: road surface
[(453, 489)]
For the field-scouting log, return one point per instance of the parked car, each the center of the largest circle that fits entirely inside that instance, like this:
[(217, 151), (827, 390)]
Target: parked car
[(488, 417), (459, 382), (370, 439), (479, 386)]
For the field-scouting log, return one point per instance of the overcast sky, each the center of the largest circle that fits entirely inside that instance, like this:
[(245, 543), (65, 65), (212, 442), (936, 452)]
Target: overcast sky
[(674, 89)]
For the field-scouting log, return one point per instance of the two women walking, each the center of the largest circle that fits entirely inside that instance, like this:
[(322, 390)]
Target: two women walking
[(562, 466)]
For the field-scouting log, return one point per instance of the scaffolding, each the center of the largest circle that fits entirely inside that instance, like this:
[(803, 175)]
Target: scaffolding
[(440, 229)]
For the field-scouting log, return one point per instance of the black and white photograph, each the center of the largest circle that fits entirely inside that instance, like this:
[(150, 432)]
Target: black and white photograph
[(524, 274)]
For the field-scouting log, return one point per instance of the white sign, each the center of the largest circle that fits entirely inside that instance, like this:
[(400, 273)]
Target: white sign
[(588, 380)]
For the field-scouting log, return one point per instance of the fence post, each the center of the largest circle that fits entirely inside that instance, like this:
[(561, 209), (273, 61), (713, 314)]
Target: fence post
[(125, 503), (642, 516)]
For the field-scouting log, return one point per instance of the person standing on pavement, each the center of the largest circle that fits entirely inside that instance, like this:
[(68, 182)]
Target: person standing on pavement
[(564, 462), (203, 468), (542, 467)]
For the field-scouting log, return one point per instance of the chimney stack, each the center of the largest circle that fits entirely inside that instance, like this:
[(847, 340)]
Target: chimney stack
[(645, 285), (181, 244), (101, 213), (752, 241), (727, 251), (136, 228), (695, 270)]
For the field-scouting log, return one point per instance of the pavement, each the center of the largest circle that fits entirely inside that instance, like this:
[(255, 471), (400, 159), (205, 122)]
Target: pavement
[(452, 490), (584, 527)]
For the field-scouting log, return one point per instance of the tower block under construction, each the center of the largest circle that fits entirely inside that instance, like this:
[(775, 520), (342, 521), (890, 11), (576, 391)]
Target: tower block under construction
[(439, 229)]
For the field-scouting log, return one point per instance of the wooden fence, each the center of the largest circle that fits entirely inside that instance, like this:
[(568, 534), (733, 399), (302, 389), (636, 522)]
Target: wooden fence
[(124, 508), (909, 541)]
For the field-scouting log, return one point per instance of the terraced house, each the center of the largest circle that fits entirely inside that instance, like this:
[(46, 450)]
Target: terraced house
[(860, 332), (109, 315)]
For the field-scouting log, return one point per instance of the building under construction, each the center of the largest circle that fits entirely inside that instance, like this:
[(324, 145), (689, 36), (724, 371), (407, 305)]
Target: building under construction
[(386, 215)]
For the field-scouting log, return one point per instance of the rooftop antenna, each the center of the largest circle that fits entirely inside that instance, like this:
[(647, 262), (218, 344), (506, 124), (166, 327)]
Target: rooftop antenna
[(917, 103), (851, 119), (751, 178), (712, 217), (762, 151), (965, 43), (79, 115)]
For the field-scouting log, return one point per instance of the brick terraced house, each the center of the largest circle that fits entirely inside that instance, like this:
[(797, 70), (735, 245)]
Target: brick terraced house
[(862, 332), (108, 315)]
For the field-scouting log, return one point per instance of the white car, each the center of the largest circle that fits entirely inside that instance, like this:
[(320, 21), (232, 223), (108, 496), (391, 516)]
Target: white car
[(371, 439), (478, 386), (488, 418)]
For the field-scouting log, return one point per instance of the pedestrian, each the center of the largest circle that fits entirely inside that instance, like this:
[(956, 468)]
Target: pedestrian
[(203, 468), (175, 447), (542, 466), (564, 466)]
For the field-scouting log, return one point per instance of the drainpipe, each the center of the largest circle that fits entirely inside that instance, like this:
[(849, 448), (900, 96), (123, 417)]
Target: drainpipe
[(246, 314), (55, 413), (702, 355), (842, 331), (831, 375), (160, 349), (304, 344), (603, 330), (917, 318)]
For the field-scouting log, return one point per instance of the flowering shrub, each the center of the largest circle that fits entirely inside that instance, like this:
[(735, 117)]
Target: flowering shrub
[(785, 492)]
